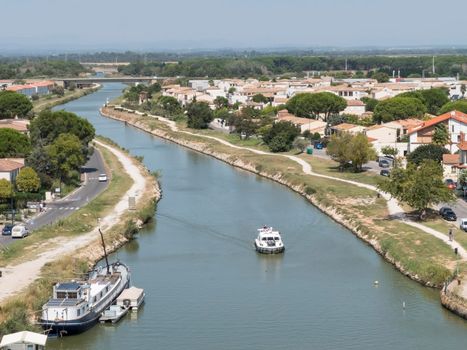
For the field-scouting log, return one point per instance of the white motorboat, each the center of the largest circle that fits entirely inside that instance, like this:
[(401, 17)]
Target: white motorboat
[(113, 313), (269, 241)]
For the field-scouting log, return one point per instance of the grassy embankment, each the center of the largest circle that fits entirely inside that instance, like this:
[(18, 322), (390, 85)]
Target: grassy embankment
[(15, 313), (418, 254), (49, 101)]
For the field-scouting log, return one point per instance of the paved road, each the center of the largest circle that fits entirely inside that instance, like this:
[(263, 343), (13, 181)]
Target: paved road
[(62, 208)]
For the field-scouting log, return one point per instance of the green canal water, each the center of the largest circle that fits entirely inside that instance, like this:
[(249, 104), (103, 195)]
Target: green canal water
[(206, 288)]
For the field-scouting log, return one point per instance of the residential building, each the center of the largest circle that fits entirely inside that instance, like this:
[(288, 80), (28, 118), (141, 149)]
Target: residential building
[(347, 127), (9, 168), (451, 165), (456, 123), (312, 125), (20, 125), (354, 107)]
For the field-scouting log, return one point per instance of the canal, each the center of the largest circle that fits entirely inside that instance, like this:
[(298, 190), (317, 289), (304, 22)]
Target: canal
[(206, 288)]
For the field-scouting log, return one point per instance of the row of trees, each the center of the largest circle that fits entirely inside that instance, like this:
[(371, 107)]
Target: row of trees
[(23, 69), (379, 67)]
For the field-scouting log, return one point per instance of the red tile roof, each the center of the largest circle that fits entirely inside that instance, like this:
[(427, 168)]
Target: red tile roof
[(451, 159), (7, 165), (456, 115)]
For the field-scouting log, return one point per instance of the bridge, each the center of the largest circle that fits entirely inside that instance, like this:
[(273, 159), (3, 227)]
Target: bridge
[(83, 82)]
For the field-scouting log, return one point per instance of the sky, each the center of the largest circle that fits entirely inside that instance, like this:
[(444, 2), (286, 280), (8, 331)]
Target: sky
[(239, 24)]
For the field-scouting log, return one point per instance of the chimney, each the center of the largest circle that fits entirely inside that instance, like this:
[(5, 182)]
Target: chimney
[(453, 113)]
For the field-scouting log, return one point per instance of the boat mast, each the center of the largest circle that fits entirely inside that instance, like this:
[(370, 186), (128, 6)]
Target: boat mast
[(105, 252)]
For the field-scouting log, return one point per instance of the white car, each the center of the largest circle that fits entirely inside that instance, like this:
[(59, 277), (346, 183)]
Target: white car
[(102, 178), (463, 224), (19, 231)]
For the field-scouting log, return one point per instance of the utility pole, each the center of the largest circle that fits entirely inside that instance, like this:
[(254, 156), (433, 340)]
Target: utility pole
[(346, 66)]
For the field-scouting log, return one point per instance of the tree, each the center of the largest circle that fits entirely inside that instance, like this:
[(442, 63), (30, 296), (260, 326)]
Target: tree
[(300, 144), (463, 90), (433, 99), (397, 108), (13, 105), (418, 186), (6, 189), (259, 98), (441, 135), (28, 180), (389, 151), (360, 151), (170, 105), (47, 127), (430, 152), (280, 136), (460, 106), (199, 115), (221, 102), (313, 105), (66, 155), (58, 90), (14, 144), (381, 77), (232, 90), (370, 103), (338, 149), (245, 124)]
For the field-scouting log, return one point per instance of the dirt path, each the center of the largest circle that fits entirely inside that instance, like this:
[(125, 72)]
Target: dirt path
[(395, 210), (16, 278)]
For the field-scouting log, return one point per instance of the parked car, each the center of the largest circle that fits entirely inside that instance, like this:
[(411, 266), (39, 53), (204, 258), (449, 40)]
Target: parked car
[(383, 163), (450, 184), (385, 172), (6, 231), (447, 214), (102, 178), (19, 231), (463, 224), (318, 145)]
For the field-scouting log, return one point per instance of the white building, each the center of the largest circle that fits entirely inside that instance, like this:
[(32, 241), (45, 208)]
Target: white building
[(456, 123)]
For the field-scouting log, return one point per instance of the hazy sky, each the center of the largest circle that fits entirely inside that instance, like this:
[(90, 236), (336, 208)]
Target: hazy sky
[(194, 24)]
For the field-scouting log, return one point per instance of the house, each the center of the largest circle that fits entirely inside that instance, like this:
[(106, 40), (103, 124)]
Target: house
[(20, 125), (354, 107), (314, 126), (451, 165), (347, 127), (456, 123), (9, 168), (23, 341)]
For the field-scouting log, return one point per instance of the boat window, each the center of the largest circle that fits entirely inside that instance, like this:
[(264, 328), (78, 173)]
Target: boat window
[(276, 238), (72, 295), (94, 299), (78, 312), (263, 239), (61, 295)]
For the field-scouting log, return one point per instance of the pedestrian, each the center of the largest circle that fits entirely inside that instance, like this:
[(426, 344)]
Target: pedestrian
[(450, 234)]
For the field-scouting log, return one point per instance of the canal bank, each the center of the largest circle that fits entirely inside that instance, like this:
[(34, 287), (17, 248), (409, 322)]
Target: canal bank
[(332, 207), (206, 287), (26, 282)]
